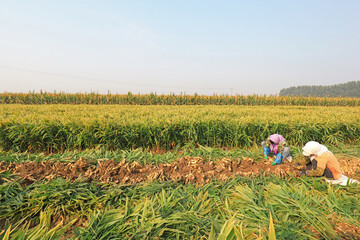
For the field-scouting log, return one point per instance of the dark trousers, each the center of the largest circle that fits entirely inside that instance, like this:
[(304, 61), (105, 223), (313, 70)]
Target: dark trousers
[(313, 166)]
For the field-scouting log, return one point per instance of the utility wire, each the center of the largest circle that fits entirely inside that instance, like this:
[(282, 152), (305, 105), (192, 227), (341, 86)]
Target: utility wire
[(100, 80)]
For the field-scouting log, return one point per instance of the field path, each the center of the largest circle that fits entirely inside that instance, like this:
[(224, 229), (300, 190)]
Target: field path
[(185, 169)]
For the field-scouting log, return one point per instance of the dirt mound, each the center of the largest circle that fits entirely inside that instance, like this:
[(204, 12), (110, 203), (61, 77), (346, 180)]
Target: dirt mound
[(186, 169)]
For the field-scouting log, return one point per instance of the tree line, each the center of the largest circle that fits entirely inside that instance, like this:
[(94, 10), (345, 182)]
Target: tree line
[(349, 89)]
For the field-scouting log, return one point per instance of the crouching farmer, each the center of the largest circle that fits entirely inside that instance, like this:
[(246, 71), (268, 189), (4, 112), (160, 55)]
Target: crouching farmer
[(320, 161), (276, 145)]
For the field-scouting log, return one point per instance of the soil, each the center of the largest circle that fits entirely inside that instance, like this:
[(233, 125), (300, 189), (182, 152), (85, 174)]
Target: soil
[(185, 169), (342, 227)]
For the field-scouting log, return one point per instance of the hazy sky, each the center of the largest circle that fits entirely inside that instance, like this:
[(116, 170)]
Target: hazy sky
[(166, 46)]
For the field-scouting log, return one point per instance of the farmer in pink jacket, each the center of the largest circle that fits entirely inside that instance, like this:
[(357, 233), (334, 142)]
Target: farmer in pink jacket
[(276, 145)]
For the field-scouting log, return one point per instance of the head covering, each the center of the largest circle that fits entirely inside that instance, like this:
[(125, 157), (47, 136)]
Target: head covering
[(315, 148), (276, 138)]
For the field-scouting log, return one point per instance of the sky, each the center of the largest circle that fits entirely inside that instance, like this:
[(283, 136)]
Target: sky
[(181, 47)]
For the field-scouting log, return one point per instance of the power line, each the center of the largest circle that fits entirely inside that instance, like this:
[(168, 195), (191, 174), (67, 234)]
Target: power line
[(100, 80), (72, 76)]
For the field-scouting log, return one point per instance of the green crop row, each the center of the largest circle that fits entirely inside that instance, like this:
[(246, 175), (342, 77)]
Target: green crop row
[(54, 137), (238, 209), (172, 99), (59, 128)]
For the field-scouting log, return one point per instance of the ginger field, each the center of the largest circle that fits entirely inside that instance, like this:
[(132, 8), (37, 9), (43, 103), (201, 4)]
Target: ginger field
[(172, 172), (52, 128)]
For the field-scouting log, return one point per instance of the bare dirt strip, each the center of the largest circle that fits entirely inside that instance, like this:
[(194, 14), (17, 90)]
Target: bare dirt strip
[(185, 169)]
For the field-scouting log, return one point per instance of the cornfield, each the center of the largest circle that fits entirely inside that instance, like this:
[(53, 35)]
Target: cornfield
[(172, 99), (53, 128)]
